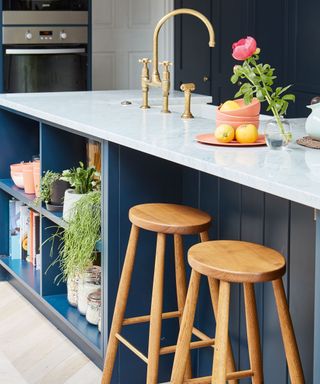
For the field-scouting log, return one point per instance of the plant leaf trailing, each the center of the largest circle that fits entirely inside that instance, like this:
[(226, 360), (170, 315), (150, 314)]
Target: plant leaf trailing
[(260, 79), (82, 179), (45, 189), (77, 242)]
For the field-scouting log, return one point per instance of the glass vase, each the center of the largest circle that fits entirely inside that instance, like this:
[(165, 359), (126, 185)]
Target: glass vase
[(278, 136)]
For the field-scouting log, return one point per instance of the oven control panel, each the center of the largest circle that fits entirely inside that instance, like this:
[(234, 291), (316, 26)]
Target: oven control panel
[(44, 35)]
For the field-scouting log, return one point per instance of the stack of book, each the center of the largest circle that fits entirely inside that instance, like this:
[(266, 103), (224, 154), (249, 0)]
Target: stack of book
[(24, 233)]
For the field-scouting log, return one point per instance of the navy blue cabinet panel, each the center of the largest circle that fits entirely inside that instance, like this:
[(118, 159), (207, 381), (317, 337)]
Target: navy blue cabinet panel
[(286, 31), (301, 272)]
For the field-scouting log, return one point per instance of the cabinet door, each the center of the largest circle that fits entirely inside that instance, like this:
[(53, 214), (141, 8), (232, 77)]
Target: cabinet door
[(192, 53)]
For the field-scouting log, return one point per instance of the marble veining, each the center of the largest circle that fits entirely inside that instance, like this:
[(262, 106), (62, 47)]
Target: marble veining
[(293, 174)]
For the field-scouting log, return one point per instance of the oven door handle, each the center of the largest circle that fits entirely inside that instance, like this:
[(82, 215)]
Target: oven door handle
[(43, 51)]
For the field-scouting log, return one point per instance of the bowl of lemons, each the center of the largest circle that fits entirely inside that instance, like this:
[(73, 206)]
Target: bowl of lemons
[(237, 121)]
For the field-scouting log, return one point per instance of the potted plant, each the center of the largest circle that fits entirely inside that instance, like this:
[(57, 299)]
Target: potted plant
[(257, 80), (82, 181), (78, 242), (52, 190)]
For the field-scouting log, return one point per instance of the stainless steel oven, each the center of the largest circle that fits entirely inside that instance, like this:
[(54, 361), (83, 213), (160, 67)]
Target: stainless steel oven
[(45, 59), (45, 5)]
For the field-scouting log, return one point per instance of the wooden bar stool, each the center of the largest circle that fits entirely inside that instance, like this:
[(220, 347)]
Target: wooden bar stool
[(245, 263), (164, 219)]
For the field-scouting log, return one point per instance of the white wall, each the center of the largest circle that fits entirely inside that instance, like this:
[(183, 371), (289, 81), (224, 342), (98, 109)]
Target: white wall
[(122, 34)]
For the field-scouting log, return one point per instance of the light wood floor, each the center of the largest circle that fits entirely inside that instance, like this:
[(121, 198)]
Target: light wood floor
[(33, 351)]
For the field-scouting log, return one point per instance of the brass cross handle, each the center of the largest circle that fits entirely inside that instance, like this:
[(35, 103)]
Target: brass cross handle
[(187, 89), (145, 60), (166, 64)]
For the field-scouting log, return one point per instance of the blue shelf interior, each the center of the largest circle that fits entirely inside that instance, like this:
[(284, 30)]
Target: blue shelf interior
[(90, 332), (8, 186), (24, 270)]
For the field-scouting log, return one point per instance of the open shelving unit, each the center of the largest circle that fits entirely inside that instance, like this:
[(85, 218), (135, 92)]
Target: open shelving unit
[(59, 150)]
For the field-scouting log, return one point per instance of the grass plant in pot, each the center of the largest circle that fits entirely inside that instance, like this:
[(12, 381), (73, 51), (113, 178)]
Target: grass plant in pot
[(52, 190), (77, 248), (82, 181)]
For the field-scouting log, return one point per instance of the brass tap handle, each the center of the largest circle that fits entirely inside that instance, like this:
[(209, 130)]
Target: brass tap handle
[(187, 89), (165, 83), (144, 82)]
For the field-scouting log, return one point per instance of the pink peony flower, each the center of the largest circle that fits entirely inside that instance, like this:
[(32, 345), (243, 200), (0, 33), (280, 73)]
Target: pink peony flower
[(244, 48)]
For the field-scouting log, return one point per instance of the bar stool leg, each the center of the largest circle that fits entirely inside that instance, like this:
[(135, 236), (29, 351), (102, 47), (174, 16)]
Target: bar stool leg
[(120, 306), (156, 312), (182, 351), (181, 287), (219, 371), (204, 236), (253, 333), (214, 293), (288, 336)]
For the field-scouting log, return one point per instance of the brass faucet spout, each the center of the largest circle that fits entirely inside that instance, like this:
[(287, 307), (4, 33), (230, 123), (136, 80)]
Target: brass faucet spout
[(182, 11)]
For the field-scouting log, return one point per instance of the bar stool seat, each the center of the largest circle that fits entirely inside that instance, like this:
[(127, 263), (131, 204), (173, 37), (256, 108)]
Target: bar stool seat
[(170, 218), (237, 262)]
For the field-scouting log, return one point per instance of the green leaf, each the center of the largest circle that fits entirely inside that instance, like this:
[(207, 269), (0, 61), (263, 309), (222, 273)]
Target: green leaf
[(285, 89), (234, 79), (289, 97)]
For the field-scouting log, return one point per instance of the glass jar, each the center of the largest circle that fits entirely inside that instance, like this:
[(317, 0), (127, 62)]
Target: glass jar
[(278, 137), (94, 307), (72, 290), (89, 282)]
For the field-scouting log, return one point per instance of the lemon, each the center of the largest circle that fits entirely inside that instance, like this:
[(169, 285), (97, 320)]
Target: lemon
[(229, 105), (224, 133), (247, 133)]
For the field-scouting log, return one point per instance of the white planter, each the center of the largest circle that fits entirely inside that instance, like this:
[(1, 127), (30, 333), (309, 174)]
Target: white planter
[(70, 198)]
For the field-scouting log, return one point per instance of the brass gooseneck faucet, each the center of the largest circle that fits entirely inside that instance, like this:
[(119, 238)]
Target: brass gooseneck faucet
[(155, 80)]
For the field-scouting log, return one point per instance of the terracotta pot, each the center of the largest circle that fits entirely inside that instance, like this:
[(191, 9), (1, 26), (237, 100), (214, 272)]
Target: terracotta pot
[(28, 181), (57, 191), (16, 174), (252, 109), (36, 177)]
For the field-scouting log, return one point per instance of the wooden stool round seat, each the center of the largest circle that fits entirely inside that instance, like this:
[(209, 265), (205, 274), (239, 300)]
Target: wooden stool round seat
[(229, 262), (237, 262), (164, 219), (170, 218)]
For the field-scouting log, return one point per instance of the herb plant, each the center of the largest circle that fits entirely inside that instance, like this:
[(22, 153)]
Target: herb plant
[(45, 189), (78, 240), (83, 180)]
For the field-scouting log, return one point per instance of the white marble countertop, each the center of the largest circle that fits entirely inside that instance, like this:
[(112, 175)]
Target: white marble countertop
[(293, 174)]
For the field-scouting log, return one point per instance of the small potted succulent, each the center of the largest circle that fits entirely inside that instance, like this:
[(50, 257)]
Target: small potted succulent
[(52, 191), (82, 181)]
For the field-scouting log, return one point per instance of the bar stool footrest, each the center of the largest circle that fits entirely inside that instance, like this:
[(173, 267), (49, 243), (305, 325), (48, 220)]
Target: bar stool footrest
[(230, 376), (146, 318), (132, 348)]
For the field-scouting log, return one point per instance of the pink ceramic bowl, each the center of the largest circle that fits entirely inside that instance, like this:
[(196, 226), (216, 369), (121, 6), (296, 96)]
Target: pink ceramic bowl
[(236, 124), (224, 116), (252, 109), (16, 174)]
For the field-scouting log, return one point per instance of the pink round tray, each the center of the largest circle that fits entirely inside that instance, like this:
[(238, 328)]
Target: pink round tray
[(209, 138)]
